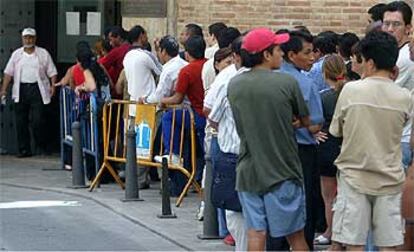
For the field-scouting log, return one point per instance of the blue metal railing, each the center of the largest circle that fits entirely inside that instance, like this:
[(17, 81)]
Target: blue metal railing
[(84, 110)]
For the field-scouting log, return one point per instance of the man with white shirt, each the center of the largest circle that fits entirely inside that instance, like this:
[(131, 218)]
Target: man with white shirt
[(397, 22), (221, 117), (172, 64), (213, 33), (31, 67), (140, 67), (208, 74), (224, 39)]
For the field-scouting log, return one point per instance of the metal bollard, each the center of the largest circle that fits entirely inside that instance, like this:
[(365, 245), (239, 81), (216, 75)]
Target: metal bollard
[(210, 223), (131, 181), (165, 190), (78, 174)]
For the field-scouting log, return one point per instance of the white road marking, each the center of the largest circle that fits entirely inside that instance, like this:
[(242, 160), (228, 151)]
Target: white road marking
[(37, 203)]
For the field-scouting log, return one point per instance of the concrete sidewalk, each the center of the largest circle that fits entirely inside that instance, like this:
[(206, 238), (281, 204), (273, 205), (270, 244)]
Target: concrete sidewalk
[(43, 174)]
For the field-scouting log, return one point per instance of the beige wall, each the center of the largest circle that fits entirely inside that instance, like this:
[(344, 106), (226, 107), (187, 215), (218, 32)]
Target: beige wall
[(317, 15)]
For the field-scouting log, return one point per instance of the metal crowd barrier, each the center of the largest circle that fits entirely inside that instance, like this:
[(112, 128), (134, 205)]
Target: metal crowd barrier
[(114, 135), (84, 110)]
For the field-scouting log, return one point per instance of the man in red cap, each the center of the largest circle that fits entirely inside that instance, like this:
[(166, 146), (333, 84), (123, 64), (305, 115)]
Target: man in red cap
[(269, 175)]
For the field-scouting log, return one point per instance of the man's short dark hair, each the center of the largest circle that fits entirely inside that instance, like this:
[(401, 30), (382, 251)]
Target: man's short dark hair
[(325, 44), (251, 60), (135, 33), (346, 41), (106, 45), (170, 45), (226, 36), (382, 48), (356, 51), (194, 30), (118, 31), (107, 31), (195, 46), (281, 31), (331, 34), (302, 28), (214, 29), (377, 12), (404, 8), (236, 45), (82, 45), (295, 43)]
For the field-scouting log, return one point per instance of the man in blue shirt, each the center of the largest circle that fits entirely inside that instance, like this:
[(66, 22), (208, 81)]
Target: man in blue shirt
[(298, 56)]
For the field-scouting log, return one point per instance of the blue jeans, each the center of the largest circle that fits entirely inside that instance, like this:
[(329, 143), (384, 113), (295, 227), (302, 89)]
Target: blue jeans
[(407, 155), (200, 124), (223, 192), (222, 222), (370, 243), (221, 215)]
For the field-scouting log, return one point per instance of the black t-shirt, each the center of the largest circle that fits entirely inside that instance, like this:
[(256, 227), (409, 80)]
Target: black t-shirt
[(329, 98)]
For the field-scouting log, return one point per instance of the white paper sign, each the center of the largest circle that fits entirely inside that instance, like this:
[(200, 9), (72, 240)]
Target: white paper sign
[(72, 23), (93, 23)]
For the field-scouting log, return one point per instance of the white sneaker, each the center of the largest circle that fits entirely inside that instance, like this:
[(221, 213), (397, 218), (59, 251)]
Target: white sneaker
[(175, 159), (200, 212)]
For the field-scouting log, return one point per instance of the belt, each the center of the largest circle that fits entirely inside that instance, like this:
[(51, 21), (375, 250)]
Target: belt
[(28, 83)]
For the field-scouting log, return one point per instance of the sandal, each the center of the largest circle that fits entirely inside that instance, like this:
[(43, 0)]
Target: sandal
[(322, 240)]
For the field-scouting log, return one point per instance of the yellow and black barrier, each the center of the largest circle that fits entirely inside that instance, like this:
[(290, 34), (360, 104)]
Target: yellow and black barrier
[(117, 118)]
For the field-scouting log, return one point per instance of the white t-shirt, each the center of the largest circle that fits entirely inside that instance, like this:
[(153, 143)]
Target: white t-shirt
[(30, 66), (222, 78), (45, 70), (209, 53), (406, 80), (139, 72), (208, 74), (168, 79)]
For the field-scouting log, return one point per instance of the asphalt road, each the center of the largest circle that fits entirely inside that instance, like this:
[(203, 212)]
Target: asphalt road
[(81, 226)]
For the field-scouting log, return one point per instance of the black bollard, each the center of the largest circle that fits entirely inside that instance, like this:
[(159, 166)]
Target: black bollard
[(131, 181), (78, 174), (165, 191), (210, 223)]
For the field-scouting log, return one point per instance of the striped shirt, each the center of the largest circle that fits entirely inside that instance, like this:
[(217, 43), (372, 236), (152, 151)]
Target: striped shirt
[(221, 113)]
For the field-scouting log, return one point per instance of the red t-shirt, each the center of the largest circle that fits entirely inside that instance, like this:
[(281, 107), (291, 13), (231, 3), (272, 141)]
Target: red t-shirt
[(77, 73), (113, 61), (189, 83)]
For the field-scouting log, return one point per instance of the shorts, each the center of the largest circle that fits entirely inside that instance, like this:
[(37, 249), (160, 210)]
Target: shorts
[(281, 211), (327, 153), (355, 213)]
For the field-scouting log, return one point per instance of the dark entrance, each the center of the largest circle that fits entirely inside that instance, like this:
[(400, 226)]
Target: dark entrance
[(43, 15)]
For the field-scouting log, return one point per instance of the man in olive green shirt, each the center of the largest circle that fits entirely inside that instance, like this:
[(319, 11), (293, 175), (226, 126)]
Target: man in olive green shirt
[(269, 176)]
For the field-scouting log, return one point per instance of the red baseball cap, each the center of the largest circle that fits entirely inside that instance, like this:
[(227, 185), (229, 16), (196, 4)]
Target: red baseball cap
[(261, 38)]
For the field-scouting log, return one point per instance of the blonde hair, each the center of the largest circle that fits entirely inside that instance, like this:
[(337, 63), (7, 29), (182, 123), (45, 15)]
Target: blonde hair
[(334, 69)]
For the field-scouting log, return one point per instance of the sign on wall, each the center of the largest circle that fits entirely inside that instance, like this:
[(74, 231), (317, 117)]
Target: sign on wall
[(144, 8)]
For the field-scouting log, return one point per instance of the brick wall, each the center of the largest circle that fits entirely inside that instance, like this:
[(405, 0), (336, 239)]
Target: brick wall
[(317, 15)]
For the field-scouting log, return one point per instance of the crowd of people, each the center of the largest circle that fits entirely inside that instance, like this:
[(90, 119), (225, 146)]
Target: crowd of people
[(307, 133)]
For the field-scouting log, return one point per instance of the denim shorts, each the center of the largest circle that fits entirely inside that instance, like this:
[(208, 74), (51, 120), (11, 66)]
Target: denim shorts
[(281, 212)]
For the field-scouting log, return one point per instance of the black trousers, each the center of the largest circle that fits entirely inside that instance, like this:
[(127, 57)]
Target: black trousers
[(308, 158), (30, 108)]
